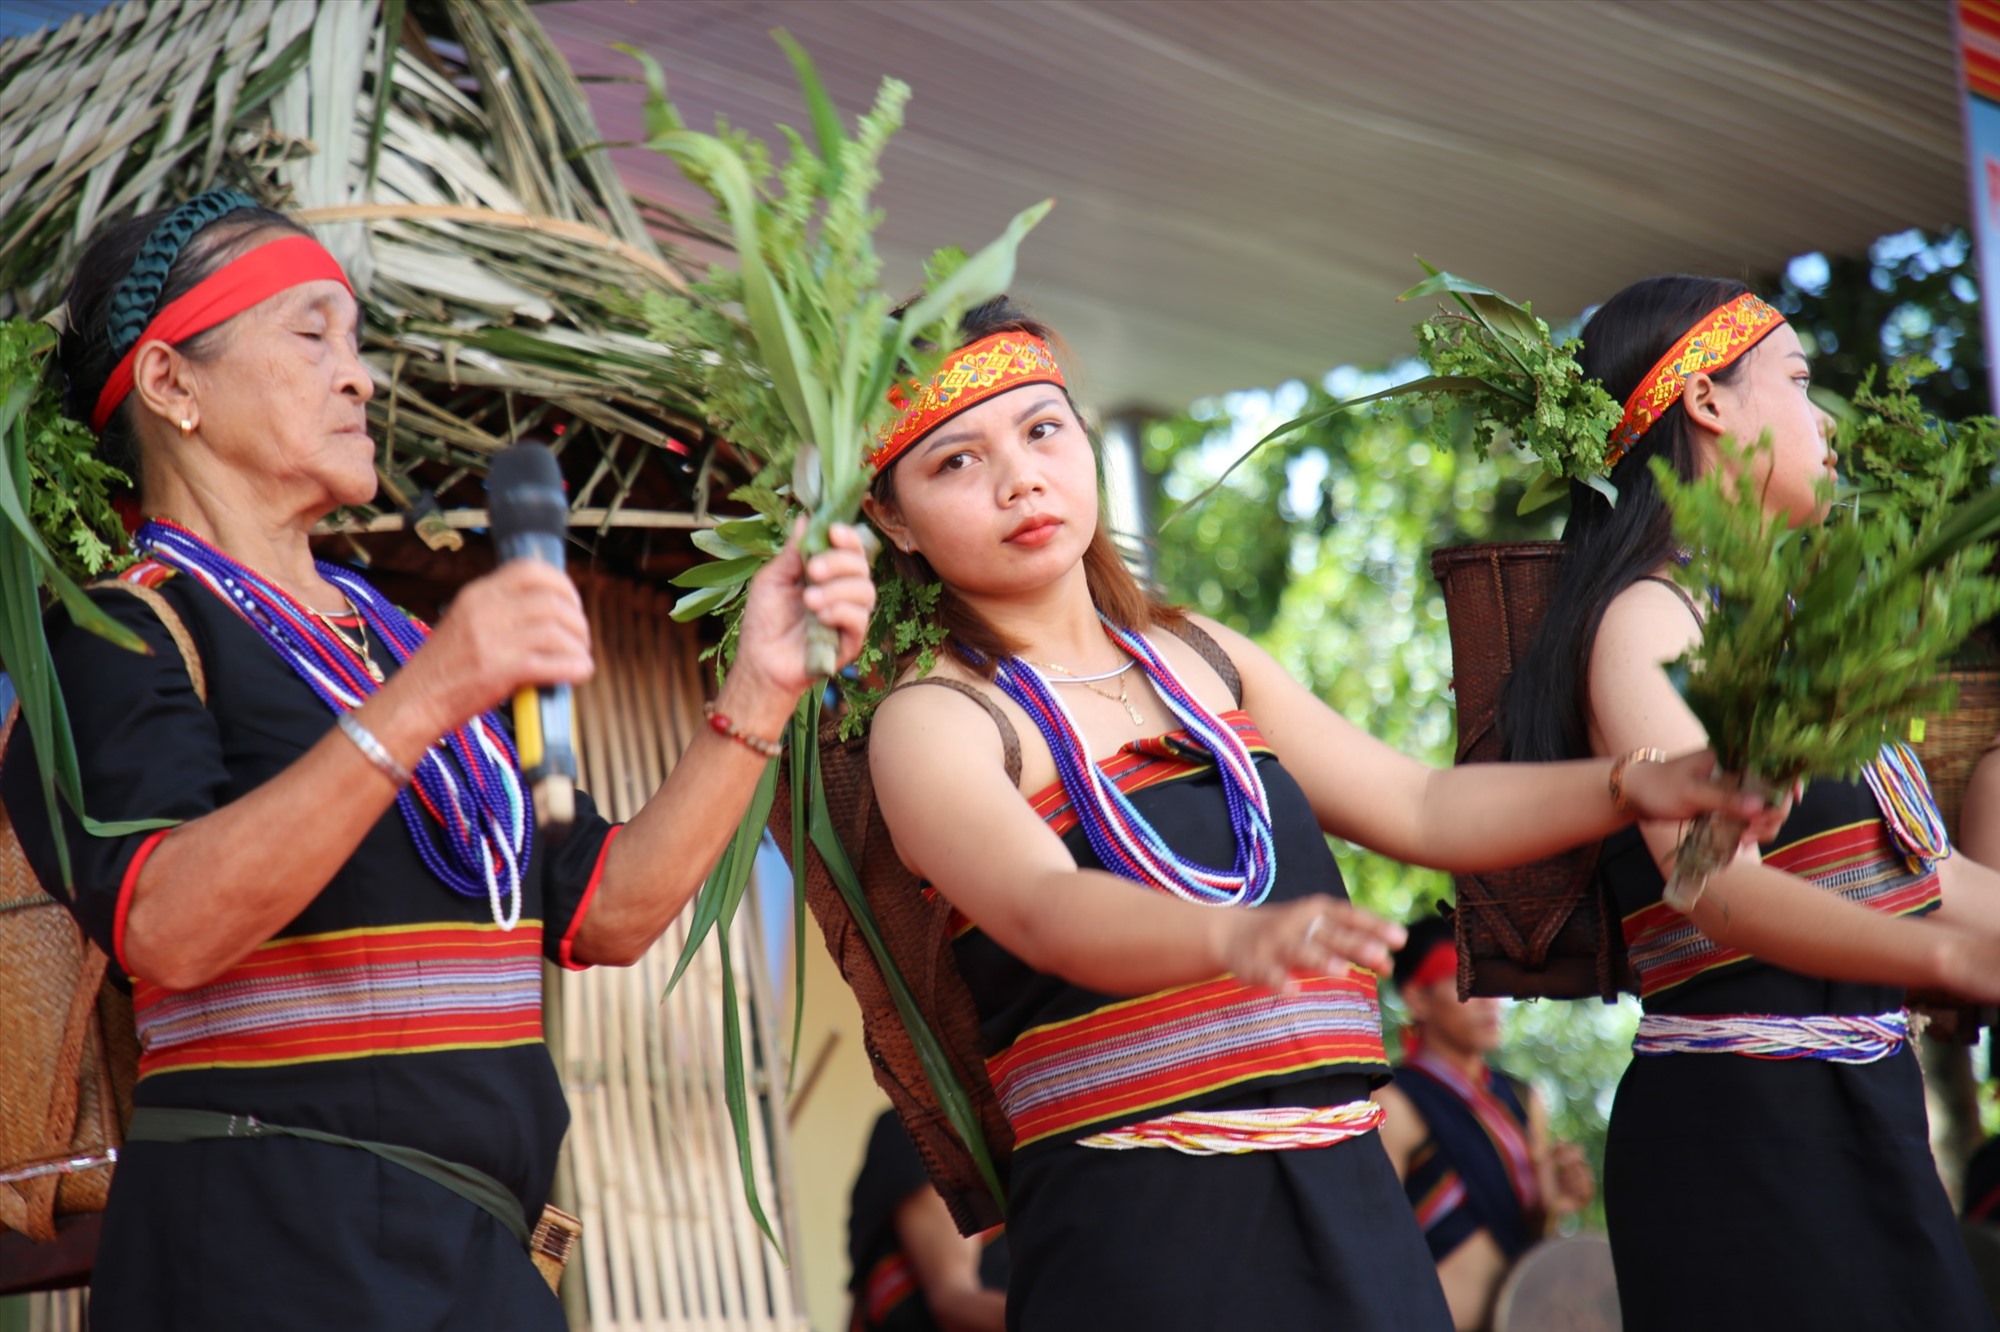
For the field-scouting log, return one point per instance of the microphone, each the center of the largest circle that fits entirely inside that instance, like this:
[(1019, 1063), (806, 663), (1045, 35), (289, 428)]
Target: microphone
[(530, 517)]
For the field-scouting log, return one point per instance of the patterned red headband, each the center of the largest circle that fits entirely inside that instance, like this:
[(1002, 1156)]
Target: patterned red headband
[(1716, 341), (974, 373), (239, 284)]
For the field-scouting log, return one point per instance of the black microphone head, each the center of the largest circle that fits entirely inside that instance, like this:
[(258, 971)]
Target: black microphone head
[(525, 490)]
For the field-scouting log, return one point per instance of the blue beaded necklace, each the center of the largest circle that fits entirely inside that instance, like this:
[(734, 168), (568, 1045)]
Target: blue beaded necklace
[(1124, 841), (466, 808)]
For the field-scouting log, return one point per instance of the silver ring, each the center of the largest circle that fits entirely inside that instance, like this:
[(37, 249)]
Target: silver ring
[(1312, 929)]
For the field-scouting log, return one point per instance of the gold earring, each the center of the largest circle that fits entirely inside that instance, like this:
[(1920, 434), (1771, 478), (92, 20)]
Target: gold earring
[(187, 427)]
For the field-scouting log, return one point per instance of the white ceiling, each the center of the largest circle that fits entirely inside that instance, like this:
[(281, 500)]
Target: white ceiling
[(1241, 184)]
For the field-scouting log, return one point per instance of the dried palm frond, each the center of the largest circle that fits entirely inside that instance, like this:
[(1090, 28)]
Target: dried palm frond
[(498, 257)]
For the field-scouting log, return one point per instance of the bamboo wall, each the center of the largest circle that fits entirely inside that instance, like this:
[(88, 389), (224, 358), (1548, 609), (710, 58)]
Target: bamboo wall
[(669, 1243)]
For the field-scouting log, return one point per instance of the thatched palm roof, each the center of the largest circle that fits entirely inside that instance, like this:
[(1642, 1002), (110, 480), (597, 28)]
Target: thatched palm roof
[(493, 245)]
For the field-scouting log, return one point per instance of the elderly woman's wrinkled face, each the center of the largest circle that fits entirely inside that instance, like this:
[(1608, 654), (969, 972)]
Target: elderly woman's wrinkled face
[(283, 398)]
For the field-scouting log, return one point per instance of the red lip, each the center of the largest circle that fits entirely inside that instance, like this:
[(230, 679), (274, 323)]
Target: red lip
[(1036, 531)]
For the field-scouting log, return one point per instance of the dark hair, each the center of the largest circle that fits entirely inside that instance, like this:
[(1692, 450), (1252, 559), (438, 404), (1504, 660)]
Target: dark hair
[(87, 352), (1422, 936), (1544, 706), (1113, 589)]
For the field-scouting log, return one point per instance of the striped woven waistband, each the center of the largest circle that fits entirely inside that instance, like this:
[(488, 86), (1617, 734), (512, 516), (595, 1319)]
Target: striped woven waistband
[(1234, 1132), (351, 994), (1836, 1038), (1145, 1056)]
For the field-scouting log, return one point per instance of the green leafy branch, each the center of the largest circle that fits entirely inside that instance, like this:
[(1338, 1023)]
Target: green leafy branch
[(1904, 459), (56, 525), (792, 354), (1820, 642), (1496, 360), (797, 347)]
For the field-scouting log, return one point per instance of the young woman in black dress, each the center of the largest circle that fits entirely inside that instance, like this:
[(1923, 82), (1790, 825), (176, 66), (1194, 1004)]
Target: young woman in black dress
[(1787, 1182)]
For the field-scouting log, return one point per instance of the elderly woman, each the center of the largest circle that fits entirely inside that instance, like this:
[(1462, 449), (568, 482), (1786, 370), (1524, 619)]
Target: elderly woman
[(342, 935)]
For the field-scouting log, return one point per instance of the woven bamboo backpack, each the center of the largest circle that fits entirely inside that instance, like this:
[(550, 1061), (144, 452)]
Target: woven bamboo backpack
[(1540, 930), (68, 1051), (916, 931)]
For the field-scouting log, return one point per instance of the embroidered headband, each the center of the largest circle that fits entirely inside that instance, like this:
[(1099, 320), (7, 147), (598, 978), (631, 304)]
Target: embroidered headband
[(971, 375), (1440, 963), (1716, 341), (255, 276)]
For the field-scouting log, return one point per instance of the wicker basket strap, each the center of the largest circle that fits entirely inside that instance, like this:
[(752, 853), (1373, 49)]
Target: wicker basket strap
[(1010, 742), (1211, 652), (176, 627)]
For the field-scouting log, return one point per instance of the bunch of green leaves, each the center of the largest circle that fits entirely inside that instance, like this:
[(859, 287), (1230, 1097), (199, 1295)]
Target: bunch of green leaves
[(905, 622), (69, 497), (792, 354), (796, 349), (1494, 359), (44, 540), (1522, 387), (1903, 458), (1823, 641)]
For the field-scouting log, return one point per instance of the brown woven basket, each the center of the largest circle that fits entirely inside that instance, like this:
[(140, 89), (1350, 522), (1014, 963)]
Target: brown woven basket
[(916, 930), (1954, 743), (1539, 930), (1952, 746), (68, 1053)]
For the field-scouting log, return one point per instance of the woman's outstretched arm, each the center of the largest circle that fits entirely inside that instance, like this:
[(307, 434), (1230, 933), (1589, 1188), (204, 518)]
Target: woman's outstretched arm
[(1480, 816)]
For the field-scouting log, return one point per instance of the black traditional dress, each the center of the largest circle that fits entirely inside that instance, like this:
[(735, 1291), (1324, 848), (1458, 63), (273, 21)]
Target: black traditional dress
[(1474, 1169), (884, 1284), (390, 1010), (1152, 1238), (1749, 1193)]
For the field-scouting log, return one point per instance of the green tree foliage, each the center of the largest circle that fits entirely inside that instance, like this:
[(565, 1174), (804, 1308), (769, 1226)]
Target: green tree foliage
[(1914, 294)]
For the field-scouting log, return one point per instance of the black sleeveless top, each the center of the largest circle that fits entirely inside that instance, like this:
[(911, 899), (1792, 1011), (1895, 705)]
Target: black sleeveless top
[(1066, 1060)]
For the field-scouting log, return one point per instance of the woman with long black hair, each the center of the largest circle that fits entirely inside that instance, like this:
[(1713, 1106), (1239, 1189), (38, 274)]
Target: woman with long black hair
[(1768, 1163)]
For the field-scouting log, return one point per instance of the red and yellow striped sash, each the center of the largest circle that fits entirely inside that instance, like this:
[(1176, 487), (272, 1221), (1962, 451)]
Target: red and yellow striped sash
[(1860, 861), (349, 994), (1168, 1048)]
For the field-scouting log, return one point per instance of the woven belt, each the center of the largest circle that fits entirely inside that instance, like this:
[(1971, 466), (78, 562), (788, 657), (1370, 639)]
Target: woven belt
[(1837, 1039), (1234, 1132), (157, 1124)]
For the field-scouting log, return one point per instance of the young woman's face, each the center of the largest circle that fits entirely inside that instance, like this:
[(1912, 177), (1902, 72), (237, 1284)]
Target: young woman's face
[(1001, 499), (1768, 395)]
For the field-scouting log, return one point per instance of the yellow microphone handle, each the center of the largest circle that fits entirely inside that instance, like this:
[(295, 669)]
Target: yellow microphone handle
[(528, 727)]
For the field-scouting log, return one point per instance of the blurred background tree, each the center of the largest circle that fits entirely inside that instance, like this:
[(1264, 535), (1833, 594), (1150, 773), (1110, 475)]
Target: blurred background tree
[(1319, 548)]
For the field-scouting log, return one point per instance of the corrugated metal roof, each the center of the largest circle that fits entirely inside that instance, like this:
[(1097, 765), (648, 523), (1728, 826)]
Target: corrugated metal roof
[(1241, 185)]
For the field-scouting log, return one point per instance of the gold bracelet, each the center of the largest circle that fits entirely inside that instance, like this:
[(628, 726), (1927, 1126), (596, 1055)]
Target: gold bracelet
[(1616, 782), (722, 726)]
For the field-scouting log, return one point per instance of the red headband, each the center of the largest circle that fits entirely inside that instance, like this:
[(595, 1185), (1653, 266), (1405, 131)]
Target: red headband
[(1441, 963), (239, 284), (1720, 337), (973, 374)]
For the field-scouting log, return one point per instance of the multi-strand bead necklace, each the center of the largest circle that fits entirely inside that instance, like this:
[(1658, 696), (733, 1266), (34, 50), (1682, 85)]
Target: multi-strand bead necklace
[(466, 807), (1124, 841)]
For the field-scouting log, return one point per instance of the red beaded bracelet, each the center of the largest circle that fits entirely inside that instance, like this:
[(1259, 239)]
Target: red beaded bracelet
[(722, 726)]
